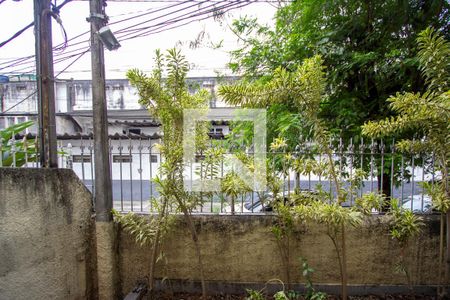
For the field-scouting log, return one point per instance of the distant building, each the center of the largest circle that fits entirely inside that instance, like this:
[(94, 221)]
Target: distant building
[(18, 103), (133, 132)]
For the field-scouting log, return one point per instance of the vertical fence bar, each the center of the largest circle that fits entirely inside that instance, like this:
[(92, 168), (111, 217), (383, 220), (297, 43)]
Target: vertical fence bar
[(201, 177), (283, 158), (36, 152), (382, 149), (69, 160), (433, 158), (151, 171), (330, 145), (110, 153), (372, 154), (221, 194), (297, 174), (91, 155), (130, 159), (140, 173), (59, 149), (13, 149), (25, 149), (320, 174), (361, 153), (423, 178), (120, 148), (1, 152), (212, 194), (211, 177), (83, 175), (350, 153), (402, 176), (412, 179), (341, 159), (392, 168), (341, 155)]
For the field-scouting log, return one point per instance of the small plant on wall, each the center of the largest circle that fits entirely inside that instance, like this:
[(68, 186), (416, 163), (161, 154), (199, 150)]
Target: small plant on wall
[(166, 100), (404, 225)]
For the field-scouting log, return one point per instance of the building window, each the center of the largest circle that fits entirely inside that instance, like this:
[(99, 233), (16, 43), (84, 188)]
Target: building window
[(122, 158), (81, 158), (10, 121), (21, 87), (219, 130), (153, 158), (134, 130), (117, 88)]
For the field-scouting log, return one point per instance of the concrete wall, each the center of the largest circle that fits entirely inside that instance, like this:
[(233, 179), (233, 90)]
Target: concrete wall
[(47, 246), (47, 249), (242, 249)]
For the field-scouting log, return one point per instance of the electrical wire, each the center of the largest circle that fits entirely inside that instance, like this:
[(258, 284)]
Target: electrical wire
[(189, 17), (30, 59), (161, 26), (15, 35), (18, 33)]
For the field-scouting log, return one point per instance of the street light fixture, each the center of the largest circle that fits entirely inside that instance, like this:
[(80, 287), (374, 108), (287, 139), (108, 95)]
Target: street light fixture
[(108, 39)]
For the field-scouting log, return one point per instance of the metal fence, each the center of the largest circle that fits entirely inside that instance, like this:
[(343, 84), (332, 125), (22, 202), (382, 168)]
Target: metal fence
[(136, 160)]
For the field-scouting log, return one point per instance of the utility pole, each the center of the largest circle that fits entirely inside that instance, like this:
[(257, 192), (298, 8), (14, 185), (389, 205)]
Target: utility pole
[(45, 83), (103, 188), (106, 234)]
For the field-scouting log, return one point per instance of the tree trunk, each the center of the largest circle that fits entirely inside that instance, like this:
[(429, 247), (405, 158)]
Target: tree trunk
[(385, 189), (441, 255), (151, 278), (344, 263)]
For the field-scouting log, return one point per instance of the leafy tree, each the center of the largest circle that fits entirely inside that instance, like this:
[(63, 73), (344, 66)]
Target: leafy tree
[(368, 48), (304, 89), (426, 114), (166, 100)]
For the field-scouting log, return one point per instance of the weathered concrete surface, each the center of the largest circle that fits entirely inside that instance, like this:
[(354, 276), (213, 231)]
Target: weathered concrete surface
[(46, 230), (108, 279), (242, 249)]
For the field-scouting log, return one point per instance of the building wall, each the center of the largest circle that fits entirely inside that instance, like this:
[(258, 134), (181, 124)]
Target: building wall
[(242, 249), (47, 249), (76, 95)]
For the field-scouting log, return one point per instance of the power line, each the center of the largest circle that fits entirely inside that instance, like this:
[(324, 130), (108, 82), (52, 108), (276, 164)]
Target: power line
[(161, 26), (153, 19), (128, 33), (28, 59), (182, 17), (15, 35), (18, 33)]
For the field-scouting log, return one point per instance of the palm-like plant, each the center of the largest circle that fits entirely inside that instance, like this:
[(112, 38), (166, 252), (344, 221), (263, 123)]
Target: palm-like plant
[(16, 153), (166, 100), (427, 115)]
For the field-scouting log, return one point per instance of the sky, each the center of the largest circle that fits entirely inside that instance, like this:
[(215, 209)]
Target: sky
[(133, 53)]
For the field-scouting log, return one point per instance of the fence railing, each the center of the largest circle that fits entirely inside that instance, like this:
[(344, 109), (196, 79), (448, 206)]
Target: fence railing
[(135, 161)]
